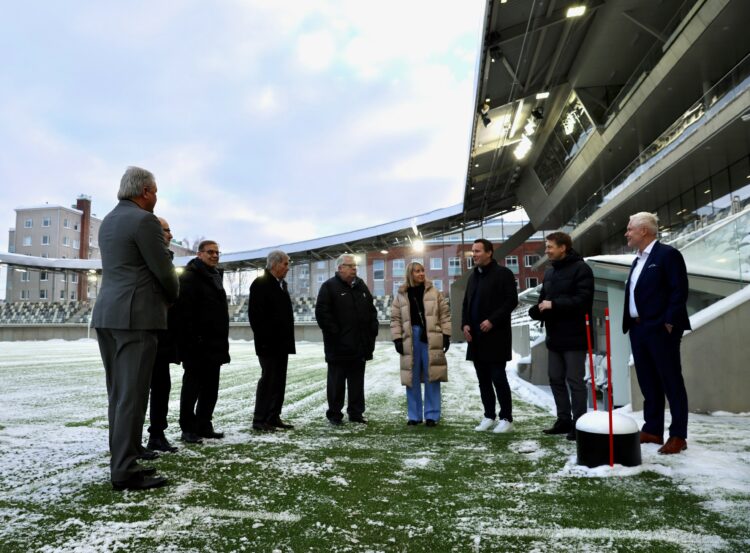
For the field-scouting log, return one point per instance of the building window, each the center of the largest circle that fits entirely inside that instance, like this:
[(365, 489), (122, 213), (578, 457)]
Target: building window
[(46, 221), (27, 240), (66, 241), (24, 294), (436, 263), (378, 288), (517, 285), (74, 278), (62, 294), (396, 285), (321, 264), (469, 262), (378, 269), (45, 255), (25, 276), (66, 222), (511, 261), (73, 295), (45, 240), (532, 282), (62, 277), (76, 244), (43, 276), (438, 283), (454, 266), (321, 279), (399, 268), (43, 294), (530, 260), (28, 223)]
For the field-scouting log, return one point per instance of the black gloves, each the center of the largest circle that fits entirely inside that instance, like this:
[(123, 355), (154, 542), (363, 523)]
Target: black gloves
[(399, 346), (446, 342)]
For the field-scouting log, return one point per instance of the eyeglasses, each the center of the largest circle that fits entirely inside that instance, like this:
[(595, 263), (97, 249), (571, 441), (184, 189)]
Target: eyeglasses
[(211, 252)]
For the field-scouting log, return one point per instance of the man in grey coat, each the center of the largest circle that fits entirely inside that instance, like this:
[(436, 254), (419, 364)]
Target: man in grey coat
[(138, 283)]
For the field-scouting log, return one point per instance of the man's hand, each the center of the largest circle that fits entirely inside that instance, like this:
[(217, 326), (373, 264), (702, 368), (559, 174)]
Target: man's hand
[(669, 327), (546, 304), (486, 326), (467, 333)]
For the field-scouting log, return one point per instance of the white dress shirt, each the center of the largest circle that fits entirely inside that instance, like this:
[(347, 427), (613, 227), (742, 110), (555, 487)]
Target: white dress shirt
[(640, 261)]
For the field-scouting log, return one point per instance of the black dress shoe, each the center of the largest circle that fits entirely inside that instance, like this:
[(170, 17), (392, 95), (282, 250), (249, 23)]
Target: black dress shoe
[(278, 423), (336, 422), (263, 427), (147, 471), (139, 481), (147, 455), (430, 422), (571, 435), (560, 427), (207, 431), (360, 419), (191, 438), (413, 423), (160, 443)]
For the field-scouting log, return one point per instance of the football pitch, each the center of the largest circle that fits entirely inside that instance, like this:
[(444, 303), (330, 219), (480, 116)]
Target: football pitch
[(379, 487)]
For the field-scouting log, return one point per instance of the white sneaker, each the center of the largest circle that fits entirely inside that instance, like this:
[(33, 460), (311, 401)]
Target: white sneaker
[(486, 424), (503, 426)]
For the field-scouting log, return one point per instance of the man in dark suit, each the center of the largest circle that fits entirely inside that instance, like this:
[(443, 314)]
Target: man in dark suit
[(161, 384), (272, 321), (490, 298), (138, 283), (202, 341), (656, 316), (346, 315)]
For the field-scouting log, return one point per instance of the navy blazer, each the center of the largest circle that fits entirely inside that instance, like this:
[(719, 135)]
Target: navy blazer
[(661, 291)]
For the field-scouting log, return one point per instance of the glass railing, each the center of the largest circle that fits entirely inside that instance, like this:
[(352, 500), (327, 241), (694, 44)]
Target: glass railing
[(721, 250), (734, 83)]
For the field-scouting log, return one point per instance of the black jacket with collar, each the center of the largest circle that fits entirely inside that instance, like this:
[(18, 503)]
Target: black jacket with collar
[(202, 316), (347, 316), (496, 287), (569, 285), (271, 316)]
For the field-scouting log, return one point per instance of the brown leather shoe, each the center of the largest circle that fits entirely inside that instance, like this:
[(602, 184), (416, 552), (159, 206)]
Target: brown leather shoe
[(647, 438), (673, 445)]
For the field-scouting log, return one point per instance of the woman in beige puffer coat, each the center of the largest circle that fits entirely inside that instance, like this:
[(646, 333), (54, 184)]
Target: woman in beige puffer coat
[(421, 326)]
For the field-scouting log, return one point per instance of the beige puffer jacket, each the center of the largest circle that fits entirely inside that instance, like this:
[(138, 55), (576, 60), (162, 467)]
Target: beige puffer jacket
[(438, 321)]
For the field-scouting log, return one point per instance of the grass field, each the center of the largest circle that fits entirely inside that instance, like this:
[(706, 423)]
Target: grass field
[(380, 487)]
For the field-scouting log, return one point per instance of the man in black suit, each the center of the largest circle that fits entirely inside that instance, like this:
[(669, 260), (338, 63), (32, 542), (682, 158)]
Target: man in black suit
[(656, 316), (490, 298), (202, 341), (138, 283), (346, 315), (272, 320)]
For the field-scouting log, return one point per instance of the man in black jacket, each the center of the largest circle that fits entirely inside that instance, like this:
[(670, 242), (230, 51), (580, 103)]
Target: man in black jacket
[(567, 296), (349, 321), (161, 384), (272, 320), (490, 298), (203, 341)]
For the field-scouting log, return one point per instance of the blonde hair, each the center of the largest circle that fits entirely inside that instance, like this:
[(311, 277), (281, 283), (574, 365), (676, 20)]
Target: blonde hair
[(409, 278)]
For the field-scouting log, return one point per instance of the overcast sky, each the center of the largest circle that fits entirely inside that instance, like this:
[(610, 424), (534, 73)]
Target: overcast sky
[(264, 121)]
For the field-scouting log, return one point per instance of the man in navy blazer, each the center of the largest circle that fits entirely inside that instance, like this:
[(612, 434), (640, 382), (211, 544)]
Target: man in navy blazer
[(656, 316)]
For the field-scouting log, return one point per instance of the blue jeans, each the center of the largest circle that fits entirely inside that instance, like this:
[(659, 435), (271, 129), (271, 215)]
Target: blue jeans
[(418, 373)]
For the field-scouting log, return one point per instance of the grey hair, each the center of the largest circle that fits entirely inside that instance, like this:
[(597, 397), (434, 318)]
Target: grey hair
[(274, 258), (647, 220), (134, 181), (340, 260)]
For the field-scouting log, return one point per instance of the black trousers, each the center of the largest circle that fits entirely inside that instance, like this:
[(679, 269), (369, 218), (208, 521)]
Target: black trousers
[(269, 396), (352, 375), (566, 370), (492, 374), (200, 390), (161, 384)]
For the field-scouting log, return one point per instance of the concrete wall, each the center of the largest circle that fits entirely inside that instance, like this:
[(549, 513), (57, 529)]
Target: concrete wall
[(715, 365)]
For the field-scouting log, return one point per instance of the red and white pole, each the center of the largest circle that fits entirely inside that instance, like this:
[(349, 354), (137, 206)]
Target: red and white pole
[(591, 360), (609, 392)]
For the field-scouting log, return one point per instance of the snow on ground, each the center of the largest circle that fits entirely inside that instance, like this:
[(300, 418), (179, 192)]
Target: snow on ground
[(53, 439)]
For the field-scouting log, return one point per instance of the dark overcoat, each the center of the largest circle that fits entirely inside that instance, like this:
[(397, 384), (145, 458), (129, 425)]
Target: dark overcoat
[(496, 287), (271, 316)]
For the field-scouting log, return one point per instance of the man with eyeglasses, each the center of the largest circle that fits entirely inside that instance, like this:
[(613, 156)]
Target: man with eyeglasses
[(202, 341), (138, 283), (346, 315)]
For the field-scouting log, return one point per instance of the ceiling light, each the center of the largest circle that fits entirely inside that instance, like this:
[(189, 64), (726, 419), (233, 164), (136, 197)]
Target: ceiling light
[(575, 11), (476, 165), (384, 252), (487, 100), (523, 148), (542, 95), (418, 245)]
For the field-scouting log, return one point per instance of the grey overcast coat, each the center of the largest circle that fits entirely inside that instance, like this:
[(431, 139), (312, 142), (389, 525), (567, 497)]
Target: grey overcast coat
[(438, 321), (138, 278)]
